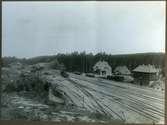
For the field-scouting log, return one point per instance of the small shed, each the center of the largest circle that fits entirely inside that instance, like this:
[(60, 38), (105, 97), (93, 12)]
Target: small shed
[(122, 70), (102, 68), (143, 74)]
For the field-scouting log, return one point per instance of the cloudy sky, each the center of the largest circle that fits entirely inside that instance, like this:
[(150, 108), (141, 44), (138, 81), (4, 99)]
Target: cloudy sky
[(46, 28)]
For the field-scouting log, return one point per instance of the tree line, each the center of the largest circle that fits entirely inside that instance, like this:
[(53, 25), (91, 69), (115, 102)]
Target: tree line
[(83, 62)]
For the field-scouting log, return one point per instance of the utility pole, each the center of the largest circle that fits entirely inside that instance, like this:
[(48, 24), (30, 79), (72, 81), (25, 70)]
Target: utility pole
[(83, 102)]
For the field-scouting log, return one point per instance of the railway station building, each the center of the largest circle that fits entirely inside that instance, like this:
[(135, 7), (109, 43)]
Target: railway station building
[(102, 68)]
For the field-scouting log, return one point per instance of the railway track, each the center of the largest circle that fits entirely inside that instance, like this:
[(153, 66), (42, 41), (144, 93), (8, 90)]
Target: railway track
[(100, 105), (132, 101), (158, 97), (112, 98)]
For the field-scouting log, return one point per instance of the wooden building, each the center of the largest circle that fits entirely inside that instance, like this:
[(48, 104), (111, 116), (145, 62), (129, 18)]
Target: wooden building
[(143, 74), (122, 70)]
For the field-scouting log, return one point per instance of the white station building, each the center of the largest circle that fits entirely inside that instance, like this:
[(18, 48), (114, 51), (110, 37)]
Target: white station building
[(102, 68)]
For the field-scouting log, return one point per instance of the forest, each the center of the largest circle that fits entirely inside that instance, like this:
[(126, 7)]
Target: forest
[(83, 62)]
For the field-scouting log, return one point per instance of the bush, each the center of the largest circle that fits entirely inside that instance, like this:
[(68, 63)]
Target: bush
[(10, 87)]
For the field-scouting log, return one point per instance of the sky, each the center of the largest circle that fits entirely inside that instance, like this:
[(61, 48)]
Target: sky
[(32, 29)]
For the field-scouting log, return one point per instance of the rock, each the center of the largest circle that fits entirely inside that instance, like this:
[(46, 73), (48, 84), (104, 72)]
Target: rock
[(54, 98)]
